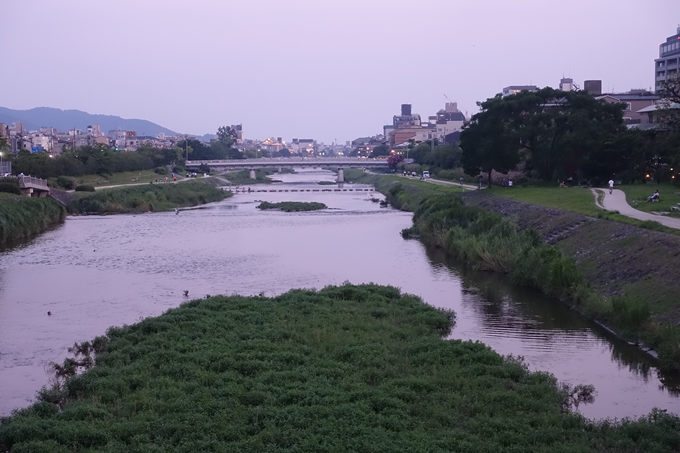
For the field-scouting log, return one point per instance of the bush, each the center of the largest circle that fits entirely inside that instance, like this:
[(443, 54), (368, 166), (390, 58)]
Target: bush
[(179, 170), (160, 170), (85, 188), (9, 187), (66, 183)]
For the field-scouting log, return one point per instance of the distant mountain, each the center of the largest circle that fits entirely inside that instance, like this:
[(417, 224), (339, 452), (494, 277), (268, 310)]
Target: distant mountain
[(64, 120)]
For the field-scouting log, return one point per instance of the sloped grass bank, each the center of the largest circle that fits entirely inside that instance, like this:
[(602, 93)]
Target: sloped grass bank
[(152, 197), (347, 368), (21, 217), (488, 241)]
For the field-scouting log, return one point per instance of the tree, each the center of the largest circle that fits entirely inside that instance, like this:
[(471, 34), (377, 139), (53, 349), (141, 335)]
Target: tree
[(380, 150), (485, 143), (226, 136), (394, 160), (420, 154), (668, 112), (445, 157), (284, 152), (553, 131)]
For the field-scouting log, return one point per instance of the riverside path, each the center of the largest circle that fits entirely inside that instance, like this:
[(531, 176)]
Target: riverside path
[(616, 201)]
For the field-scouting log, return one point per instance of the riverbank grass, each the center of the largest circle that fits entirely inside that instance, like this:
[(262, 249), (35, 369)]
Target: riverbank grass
[(242, 177), (580, 200), (21, 217), (114, 179), (346, 368), (148, 197), (292, 206)]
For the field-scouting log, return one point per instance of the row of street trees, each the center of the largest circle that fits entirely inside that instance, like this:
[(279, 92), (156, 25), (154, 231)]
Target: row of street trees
[(555, 135)]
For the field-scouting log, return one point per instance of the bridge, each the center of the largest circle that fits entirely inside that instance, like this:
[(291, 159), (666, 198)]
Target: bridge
[(279, 163), (33, 187)]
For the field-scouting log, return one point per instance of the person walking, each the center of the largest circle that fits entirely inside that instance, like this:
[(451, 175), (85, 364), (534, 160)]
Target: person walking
[(611, 186)]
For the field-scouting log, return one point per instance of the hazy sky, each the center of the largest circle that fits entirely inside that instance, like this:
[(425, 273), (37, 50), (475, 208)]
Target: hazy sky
[(323, 69)]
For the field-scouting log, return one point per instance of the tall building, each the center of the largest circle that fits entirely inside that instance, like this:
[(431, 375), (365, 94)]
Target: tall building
[(593, 87), (668, 61), (567, 84)]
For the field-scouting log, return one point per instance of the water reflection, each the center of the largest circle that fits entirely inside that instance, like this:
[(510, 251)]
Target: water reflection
[(506, 310)]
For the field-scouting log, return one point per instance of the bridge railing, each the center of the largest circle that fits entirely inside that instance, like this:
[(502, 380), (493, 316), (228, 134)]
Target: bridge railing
[(30, 181)]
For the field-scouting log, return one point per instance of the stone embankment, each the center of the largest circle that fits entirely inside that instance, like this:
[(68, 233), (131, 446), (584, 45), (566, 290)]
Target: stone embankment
[(615, 258)]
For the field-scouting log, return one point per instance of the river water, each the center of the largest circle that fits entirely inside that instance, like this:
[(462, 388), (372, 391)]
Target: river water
[(95, 272)]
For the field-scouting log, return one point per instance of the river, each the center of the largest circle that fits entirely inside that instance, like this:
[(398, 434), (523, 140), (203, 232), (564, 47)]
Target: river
[(95, 272)]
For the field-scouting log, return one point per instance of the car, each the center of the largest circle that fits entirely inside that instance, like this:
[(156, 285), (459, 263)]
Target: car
[(426, 175)]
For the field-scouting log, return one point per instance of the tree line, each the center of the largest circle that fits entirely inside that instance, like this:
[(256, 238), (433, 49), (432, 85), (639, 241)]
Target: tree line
[(556, 135)]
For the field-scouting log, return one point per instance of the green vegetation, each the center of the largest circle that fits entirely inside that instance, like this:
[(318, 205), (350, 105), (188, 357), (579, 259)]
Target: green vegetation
[(347, 368), (637, 194), (327, 183), (582, 200), (292, 206), (93, 160), (489, 241), (85, 188), (402, 193), (10, 185), (242, 177), (21, 217), (553, 135), (152, 197), (113, 179)]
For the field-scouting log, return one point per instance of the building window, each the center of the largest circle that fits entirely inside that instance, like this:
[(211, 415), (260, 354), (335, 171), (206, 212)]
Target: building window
[(628, 106)]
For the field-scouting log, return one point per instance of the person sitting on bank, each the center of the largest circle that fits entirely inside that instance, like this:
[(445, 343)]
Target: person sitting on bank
[(654, 197), (562, 184)]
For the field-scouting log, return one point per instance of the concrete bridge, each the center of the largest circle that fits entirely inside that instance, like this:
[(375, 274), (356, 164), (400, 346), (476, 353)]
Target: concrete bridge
[(33, 187), (279, 163)]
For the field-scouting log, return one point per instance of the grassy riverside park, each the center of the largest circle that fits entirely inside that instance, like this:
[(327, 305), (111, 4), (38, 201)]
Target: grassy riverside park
[(123, 178), (636, 195), (582, 200), (346, 368), (148, 197)]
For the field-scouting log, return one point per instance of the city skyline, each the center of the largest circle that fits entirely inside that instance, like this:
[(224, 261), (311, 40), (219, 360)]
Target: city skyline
[(305, 69)]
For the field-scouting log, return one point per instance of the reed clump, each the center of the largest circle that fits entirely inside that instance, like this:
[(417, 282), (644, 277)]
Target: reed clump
[(23, 217), (346, 368)]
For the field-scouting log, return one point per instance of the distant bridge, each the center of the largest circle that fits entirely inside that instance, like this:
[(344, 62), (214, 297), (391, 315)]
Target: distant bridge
[(338, 163), (33, 187)]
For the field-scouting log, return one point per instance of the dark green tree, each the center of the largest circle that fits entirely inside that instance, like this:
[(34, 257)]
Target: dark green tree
[(380, 150), (226, 136), (487, 143), (554, 132)]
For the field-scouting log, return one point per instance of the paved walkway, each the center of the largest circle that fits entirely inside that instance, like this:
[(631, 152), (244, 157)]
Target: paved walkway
[(617, 202), (442, 182)]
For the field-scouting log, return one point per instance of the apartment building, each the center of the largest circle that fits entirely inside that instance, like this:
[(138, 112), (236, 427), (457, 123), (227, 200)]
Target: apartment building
[(635, 101), (669, 59)]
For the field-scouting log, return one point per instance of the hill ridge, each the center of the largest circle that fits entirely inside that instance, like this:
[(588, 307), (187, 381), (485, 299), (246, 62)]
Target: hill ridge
[(63, 120)]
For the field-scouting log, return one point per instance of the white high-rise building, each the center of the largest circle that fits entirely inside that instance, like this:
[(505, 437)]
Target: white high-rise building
[(669, 59)]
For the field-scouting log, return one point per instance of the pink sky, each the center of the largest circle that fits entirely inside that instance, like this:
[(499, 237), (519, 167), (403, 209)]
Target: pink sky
[(310, 68)]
